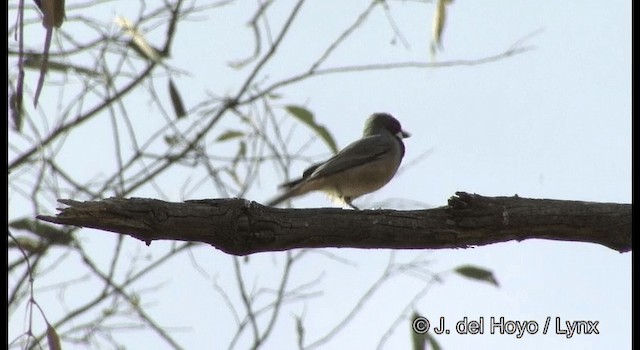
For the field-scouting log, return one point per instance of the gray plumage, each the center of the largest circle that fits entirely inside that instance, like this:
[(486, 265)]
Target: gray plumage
[(362, 167)]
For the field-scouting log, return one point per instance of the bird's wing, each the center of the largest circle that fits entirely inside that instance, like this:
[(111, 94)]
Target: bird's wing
[(360, 152)]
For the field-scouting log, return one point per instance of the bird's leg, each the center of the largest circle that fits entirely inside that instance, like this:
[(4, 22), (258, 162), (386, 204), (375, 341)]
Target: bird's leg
[(348, 201)]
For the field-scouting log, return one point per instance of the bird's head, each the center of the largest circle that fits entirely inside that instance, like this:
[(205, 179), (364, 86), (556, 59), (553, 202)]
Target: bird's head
[(379, 122)]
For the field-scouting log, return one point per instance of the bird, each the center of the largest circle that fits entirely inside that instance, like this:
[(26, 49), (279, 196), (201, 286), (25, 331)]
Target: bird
[(364, 166)]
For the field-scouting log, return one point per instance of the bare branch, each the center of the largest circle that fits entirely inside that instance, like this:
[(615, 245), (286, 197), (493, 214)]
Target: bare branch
[(512, 51), (240, 227)]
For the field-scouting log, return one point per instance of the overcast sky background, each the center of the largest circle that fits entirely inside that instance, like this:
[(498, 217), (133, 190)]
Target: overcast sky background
[(554, 122)]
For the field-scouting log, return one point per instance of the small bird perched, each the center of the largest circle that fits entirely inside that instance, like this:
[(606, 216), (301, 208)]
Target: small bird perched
[(360, 168)]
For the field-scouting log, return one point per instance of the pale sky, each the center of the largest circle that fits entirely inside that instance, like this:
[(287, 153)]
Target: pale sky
[(554, 122)]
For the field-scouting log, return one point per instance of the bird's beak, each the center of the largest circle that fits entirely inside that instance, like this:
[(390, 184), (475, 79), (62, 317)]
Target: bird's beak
[(403, 134)]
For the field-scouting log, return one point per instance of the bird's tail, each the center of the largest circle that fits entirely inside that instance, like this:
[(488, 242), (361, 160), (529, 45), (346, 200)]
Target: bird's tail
[(294, 188), (291, 191)]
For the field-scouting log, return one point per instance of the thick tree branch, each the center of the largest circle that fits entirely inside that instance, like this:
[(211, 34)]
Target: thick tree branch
[(240, 227)]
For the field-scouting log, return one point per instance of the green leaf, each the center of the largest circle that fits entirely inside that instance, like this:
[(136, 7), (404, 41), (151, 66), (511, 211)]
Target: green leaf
[(34, 61), (477, 273), (172, 140), (418, 339), (176, 100), (241, 154), (138, 42), (299, 331), (17, 112), (135, 300), (439, 17), (234, 176), (28, 244), (52, 338), (52, 12), (306, 117), (229, 134), (433, 342), (49, 232)]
